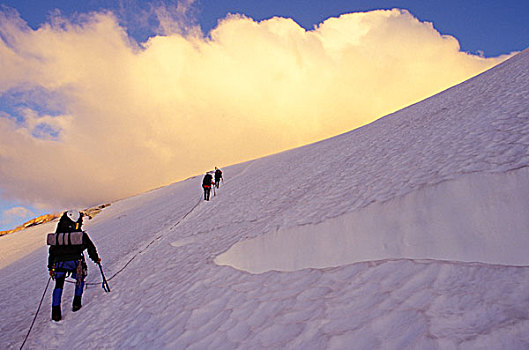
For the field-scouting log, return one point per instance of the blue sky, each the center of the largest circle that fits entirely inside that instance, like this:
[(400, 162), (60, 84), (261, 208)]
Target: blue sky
[(494, 27), (490, 28)]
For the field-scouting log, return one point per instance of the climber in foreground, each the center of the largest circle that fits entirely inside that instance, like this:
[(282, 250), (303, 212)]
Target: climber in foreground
[(66, 257), (207, 181)]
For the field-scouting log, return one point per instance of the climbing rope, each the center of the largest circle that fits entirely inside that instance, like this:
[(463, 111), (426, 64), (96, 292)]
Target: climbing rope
[(151, 242), (36, 313), (105, 283), (145, 248)]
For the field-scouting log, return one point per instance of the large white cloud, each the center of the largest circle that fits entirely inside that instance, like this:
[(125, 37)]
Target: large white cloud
[(109, 117)]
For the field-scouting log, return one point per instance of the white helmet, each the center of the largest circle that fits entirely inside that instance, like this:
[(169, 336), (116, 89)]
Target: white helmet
[(73, 215)]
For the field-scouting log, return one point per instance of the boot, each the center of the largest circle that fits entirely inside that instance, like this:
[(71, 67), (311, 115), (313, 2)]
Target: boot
[(56, 313), (76, 303)]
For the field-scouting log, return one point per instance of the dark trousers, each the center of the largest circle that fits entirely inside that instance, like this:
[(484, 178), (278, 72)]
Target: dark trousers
[(62, 268), (207, 190)]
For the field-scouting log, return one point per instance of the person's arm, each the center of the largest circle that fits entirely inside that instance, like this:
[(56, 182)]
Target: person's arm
[(51, 262), (92, 251), (51, 257)]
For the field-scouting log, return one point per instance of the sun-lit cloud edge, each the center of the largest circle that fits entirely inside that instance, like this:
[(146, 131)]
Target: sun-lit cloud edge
[(107, 117)]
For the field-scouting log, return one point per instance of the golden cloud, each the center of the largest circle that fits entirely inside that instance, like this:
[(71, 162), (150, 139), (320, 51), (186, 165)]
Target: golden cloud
[(132, 117)]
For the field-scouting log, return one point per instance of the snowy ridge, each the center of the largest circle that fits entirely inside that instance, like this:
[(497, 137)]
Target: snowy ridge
[(475, 128), (467, 145), (454, 220)]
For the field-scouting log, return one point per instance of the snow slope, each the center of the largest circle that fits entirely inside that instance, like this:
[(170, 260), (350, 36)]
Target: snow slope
[(408, 233)]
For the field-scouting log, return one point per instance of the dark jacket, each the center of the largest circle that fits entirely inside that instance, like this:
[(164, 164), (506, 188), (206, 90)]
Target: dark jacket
[(71, 252), (218, 175), (206, 182)]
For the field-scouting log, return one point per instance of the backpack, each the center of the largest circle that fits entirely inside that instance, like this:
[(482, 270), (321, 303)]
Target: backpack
[(68, 238), (207, 180)]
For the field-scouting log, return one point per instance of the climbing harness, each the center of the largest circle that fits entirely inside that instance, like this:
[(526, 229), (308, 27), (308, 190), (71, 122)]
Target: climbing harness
[(104, 283)]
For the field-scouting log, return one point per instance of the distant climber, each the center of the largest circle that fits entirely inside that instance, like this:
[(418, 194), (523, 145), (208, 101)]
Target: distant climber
[(66, 257), (206, 185), (218, 177)]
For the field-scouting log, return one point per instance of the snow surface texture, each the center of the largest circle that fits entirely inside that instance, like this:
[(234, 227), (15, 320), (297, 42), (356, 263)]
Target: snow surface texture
[(476, 218), (402, 207)]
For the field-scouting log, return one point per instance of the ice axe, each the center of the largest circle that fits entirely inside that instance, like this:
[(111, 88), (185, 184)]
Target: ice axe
[(104, 284)]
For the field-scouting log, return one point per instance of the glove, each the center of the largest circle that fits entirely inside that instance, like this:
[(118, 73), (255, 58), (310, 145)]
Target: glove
[(52, 273)]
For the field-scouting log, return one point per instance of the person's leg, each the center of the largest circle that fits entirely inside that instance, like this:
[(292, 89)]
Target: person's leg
[(79, 274), (79, 288), (57, 292), (57, 295)]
